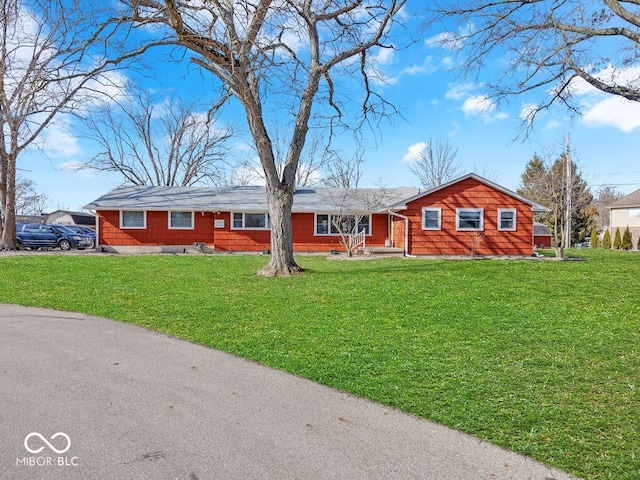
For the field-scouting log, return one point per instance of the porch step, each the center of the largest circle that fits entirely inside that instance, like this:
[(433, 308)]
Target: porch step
[(381, 251)]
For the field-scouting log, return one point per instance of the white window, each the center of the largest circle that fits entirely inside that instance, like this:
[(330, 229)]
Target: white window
[(181, 220), (251, 221), (328, 224), (133, 219), (507, 219), (469, 219), (431, 218)]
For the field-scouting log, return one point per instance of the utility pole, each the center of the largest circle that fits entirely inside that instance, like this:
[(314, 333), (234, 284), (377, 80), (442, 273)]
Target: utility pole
[(569, 188)]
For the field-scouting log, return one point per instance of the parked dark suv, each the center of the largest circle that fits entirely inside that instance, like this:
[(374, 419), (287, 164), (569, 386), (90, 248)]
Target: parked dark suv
[(36, 235)]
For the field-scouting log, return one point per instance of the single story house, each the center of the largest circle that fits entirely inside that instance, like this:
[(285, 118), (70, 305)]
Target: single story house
[(624, 213), (470, 215)]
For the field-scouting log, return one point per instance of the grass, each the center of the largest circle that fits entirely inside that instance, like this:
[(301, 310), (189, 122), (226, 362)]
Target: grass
[(541, 357)]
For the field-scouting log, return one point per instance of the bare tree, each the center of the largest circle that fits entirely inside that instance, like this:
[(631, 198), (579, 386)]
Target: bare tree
[(279, 57), (549, 46), (605, 197), (313, 159), (166, 143), (344, 172), (54, 59), (352, 213), (436, 163), (28, 200)]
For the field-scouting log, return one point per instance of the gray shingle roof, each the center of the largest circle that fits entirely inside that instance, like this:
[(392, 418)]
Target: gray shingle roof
[(245, 199), (631, 200), (541, 229)]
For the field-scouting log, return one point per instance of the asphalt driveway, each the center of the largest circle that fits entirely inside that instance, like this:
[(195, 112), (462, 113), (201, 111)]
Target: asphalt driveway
[(89, 398)]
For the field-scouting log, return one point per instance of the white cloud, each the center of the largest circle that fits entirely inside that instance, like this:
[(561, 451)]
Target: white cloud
[(446, 40), (414, 152), (611, 75), (459, 91), (447, 62), (477, 105), (413, 70), (614, 112), (482, 106), (57, 140), (606, 110), (427, 67), (450, 40), (474, 105), (106, 88), (527, 112), (385, 56)]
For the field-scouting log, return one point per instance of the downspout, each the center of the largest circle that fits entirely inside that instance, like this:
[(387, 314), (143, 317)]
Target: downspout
[(406, 232)]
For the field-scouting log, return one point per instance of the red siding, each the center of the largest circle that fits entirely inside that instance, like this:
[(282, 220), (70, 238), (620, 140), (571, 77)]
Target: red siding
[(469, 193), (542, 241), (226, 238), (157, 231)]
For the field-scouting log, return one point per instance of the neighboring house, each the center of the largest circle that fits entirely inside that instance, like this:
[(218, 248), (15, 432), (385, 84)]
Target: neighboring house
[(626, 213), (468, 215), (541, 235), (64, 217)]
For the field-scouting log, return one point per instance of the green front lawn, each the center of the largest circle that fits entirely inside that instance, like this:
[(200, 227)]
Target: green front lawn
[(541, 357)]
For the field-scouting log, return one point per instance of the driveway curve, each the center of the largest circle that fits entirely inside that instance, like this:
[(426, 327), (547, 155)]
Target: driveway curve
[(89, 398)]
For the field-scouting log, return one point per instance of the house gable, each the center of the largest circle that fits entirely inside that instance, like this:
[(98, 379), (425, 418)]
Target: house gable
[(535, 206)]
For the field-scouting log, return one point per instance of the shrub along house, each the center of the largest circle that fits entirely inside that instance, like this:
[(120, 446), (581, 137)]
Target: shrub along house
[(467, 216)]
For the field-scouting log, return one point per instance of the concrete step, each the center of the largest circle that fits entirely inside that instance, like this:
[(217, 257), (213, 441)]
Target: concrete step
[(381, 251)]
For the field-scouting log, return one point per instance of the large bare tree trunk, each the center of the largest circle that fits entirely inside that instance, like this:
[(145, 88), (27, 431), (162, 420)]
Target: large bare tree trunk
[(9, 241), (279, 199), (3, 190), (282, 262)]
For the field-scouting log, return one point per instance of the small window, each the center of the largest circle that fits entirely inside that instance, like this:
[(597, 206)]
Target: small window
[(133, 219), (506, 219), (470, 219), (237, 220), (251, 221), (322, 224), (181, 220), (431, 218)]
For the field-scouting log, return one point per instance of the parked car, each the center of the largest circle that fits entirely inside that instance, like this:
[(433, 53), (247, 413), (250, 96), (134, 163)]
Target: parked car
[(36, 235), (79, 229)]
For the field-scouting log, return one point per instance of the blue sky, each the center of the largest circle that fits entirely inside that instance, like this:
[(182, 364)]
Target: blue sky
[(433, 101)]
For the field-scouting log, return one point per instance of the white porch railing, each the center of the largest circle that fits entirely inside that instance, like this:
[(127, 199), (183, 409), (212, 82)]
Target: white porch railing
[(358, 239)]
